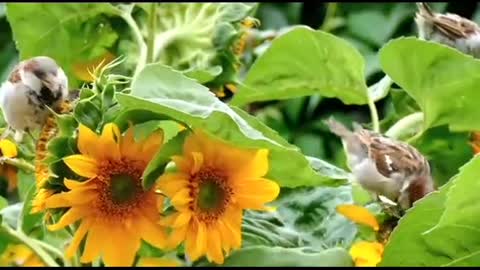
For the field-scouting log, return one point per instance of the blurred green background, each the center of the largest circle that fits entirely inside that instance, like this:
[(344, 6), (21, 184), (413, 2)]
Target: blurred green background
[(368, 26)]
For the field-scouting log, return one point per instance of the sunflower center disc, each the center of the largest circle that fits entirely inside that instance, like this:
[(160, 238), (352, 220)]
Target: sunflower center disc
[(123, 188), (210, 196)]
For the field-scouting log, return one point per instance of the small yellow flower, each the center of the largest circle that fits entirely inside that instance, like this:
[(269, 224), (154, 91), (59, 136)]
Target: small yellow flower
[(161, 262), (114, 211), (366, 253), (359, 214), (19, 255), (9, 150), (214, 183)]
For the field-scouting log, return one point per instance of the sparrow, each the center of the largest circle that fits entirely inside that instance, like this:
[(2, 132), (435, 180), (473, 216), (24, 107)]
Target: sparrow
[(33, 88), (385, 166), (448, 29)]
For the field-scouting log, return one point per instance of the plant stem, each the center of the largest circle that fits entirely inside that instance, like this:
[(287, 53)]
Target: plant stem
[(142, 55), (405, 125), (46, 258), (50, 248), (329, 14), (152, 25), (373, 113), (19, 163)]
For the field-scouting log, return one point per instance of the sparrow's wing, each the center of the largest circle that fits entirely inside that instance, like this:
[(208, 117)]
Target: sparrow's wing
[(392, 157)]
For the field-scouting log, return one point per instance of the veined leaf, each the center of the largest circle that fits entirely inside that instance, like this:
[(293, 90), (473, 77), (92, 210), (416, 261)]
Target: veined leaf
[(157, 89), (304, 62), (443, 81)]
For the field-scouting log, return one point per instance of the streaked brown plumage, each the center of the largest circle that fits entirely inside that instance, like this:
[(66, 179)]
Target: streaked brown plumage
[(385, 166)]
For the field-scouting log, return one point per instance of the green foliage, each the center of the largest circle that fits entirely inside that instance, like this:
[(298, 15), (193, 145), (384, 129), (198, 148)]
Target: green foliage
[(156, 89), (305, 62), (442, 81)]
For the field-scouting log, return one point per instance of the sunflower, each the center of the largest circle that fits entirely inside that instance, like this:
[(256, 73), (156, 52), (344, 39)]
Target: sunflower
[(9, 172), (366, 253), (19, 255), (213, 184), (115, 212)]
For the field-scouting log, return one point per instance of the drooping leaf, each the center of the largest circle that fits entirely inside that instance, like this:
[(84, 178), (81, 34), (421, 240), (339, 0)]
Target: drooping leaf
[(304, 62), (156, 89), (442, 80)]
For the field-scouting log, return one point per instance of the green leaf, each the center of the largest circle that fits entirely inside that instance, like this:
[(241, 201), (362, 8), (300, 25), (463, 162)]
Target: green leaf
[(88, 114), (204, 75), (29, 221), (312, 213), (156, 89), (156, 167), (69, 33), (445, 150), (442, 80), (25, 182), (409, 234), (262, 256), (305, 62), (3, 203)]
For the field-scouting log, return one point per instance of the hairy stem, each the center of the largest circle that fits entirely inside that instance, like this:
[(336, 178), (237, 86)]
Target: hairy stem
[(330, 14), (152, 25), (142, 56), (19, 163), (405, 125), (20, 236), (373, 113)]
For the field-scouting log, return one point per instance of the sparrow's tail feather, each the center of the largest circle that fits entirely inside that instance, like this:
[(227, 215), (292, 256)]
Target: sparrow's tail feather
[(424, 10), (338, 128)]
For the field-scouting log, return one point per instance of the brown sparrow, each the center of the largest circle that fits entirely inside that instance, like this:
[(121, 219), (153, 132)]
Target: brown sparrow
[(385, 166), (34, 86), (448, 29)]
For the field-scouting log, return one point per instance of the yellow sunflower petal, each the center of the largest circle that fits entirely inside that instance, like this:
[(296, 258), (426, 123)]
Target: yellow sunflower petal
[(94, 243), (214, 246), (191, 244), (265, 191), (177, 236), (128, 146), (74, 184), (171, 183), (72, 215), (151, 145), (77, 238), (161, 262), (257, 167), (366, 253), (109, 141), (122, 249), (197, 162), (358, 214), (183, 164), (151, 232), (181, 198), (201, 242), (87, 142), (82, 165), (8, 148), (70, 198)]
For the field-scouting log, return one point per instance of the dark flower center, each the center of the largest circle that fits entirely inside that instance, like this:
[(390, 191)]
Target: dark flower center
[(123, 188)]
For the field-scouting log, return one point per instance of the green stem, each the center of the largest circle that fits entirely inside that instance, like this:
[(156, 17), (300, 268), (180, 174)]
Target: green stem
[(405, 125), (373, 113), (19, 163), (330, 13), (142, 55), (49, 261), (48, 247), (152, 25)]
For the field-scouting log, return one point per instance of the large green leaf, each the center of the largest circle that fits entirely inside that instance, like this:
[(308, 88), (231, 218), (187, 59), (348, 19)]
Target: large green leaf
[(305, 62), (69, 32), (408, 235), (277, 256), (458, 226), (443, 81), (164, 91)]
